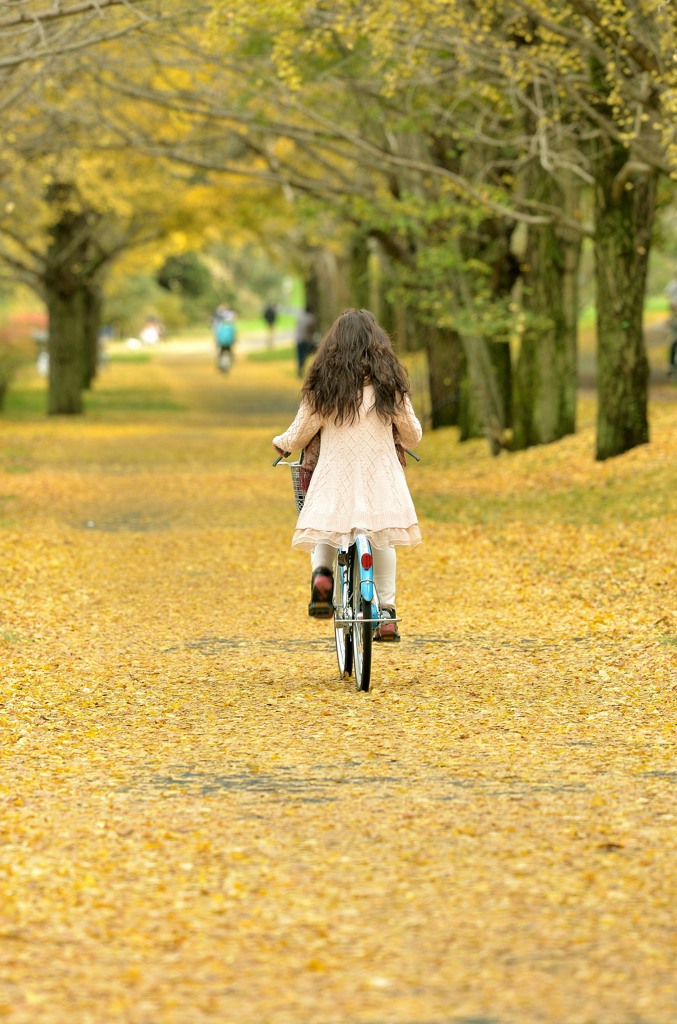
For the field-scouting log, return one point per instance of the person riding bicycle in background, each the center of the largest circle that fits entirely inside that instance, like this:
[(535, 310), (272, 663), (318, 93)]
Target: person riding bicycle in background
[(356, 395), (224, 328)]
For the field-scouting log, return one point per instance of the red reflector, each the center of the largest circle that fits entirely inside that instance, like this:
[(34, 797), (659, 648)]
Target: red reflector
[(366, 560)]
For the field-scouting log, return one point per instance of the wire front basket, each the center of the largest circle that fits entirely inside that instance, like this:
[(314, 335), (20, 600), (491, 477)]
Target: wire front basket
[(299, 495)]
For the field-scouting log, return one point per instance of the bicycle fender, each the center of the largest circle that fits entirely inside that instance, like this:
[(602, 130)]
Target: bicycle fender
[(366, 575)]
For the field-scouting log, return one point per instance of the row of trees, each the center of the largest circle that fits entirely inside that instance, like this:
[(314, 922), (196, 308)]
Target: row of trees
[(442, 160)]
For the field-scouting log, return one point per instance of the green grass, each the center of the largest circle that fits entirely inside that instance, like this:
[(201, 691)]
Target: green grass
[(31, 403), (129, 357), (275, 355), (22, 402), (131, 399)]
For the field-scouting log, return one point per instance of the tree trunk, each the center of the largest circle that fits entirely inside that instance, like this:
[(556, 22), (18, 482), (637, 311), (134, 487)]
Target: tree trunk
[(488, 359), (72, 301), (469, 421), (328, 285), (93, 302), (544, 395), (470, 415), (384, 310), (359, 272), (445, 372), (486, 377), (499, 353), (67, 348), (625, 208)]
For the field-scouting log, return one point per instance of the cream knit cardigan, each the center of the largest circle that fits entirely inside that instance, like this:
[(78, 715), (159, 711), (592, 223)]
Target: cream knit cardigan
[(358, 485)]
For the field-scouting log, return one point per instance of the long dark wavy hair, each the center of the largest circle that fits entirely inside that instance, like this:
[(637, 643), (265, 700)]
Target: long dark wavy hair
[(355, 350)]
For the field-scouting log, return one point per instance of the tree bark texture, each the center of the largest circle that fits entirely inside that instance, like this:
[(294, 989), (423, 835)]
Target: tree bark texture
[(470, 414), (446, 365), (469, 421), (384, 310), (71, 289), (488, 387), (328, 286), (625, 208), (66, 351), (359, 272), (545, 380), (488, 359), (93, 304)]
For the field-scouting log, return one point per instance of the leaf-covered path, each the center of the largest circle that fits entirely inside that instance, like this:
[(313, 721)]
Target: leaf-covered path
[(201, 822)]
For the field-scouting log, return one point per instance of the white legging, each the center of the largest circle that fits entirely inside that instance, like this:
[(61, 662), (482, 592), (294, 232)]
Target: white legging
[(385, 567)]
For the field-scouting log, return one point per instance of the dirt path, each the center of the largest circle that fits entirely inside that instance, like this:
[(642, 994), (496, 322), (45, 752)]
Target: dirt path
[(201, 822)]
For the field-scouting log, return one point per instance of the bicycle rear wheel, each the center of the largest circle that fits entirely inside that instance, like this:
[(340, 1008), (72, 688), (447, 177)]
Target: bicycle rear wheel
[(342, 632), (225, 359), (361, 627)]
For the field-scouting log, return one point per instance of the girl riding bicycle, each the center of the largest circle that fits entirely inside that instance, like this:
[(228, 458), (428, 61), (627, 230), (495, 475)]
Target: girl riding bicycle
[(356, 397)]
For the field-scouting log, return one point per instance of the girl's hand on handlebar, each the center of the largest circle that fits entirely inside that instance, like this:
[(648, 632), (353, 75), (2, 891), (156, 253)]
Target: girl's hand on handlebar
[(280, 454)]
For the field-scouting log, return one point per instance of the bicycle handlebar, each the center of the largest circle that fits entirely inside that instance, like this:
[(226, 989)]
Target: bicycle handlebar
[(285, 455)]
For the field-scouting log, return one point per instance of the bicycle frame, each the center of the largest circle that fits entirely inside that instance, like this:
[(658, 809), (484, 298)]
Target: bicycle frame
[(365, 561), (356, 611)]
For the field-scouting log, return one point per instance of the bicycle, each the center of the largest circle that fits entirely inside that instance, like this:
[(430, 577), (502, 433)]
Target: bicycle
[(224, 358), (356, 610), (356, 607)]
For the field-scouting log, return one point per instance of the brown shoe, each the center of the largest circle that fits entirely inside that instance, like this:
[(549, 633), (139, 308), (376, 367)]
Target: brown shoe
[(387, 630), (322, 594)]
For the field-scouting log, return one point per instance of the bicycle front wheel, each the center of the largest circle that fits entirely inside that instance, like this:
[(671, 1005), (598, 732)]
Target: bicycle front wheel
[(342, 632), (361, 628)]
